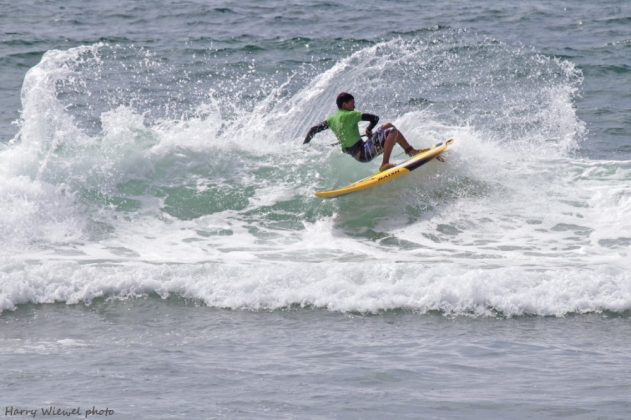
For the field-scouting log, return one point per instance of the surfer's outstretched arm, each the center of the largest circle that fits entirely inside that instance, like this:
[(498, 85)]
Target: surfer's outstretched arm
[(315, 130)]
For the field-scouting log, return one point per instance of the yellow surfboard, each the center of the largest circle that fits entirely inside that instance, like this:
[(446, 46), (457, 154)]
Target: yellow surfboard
[(390, 174)]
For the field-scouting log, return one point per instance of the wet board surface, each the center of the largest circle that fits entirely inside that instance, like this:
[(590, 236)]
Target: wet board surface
[(389, 175)]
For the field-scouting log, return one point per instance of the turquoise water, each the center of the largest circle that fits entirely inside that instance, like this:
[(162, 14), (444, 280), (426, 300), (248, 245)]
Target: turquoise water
[(153, 177)]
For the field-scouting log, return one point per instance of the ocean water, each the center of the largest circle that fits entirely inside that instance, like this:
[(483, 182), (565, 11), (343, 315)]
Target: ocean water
[(162, 253)]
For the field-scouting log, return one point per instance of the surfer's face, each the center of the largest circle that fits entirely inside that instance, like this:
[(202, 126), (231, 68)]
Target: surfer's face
[(349, 105)]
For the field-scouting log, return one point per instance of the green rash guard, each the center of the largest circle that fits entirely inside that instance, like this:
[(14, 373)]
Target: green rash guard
[(345, 126)]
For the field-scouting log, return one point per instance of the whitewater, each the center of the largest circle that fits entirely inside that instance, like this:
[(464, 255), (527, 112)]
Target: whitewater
[(514, 224)]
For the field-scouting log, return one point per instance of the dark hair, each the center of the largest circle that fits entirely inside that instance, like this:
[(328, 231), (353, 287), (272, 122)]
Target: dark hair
[(343, 98)]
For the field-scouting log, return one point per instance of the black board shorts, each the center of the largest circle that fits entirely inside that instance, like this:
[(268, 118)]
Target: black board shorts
[(365, 151)]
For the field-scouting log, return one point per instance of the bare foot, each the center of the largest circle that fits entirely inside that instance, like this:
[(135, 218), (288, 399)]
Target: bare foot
[(414, 152), (386, 166)]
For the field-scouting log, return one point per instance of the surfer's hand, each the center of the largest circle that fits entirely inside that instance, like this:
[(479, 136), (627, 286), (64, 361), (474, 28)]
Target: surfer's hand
[(440, 158), (368, 133)]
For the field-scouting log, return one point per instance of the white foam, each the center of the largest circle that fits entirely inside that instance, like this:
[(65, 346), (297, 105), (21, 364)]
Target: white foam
[(511, 224), (366, 286)]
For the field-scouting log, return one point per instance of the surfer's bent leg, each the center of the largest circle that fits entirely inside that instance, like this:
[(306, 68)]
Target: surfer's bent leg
[(382, 141), (394, 136)]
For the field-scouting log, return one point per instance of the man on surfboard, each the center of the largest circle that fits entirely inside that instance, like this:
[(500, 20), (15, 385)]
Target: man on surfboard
[(345, 127)]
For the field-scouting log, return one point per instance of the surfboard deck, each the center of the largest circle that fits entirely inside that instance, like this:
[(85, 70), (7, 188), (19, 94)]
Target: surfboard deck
[(391, 174)]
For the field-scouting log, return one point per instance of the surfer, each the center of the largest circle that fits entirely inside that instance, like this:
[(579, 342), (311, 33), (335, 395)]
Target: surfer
[(345, 127)]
